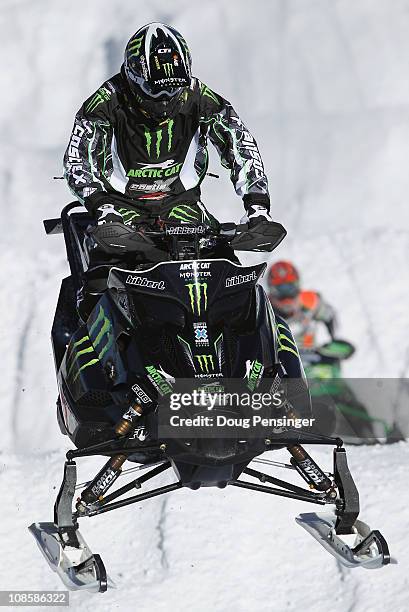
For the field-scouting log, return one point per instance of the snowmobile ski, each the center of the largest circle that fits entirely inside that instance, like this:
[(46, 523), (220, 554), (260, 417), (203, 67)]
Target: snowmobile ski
[(361, 548), (77, 567)]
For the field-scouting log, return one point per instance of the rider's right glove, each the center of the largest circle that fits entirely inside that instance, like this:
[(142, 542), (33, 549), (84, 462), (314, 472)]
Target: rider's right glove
[(106, 213), (102, 206)]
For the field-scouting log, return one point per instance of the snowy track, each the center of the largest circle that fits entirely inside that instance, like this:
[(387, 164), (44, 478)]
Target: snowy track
[(216, 550)]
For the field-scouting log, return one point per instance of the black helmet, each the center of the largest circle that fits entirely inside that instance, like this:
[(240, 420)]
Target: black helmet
[(158, 69)]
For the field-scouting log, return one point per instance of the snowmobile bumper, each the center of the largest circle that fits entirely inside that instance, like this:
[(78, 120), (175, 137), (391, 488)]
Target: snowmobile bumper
[(361, 548), (77, 567)]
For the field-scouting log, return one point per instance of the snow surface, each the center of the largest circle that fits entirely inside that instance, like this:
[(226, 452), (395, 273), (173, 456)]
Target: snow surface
[(324, 88)]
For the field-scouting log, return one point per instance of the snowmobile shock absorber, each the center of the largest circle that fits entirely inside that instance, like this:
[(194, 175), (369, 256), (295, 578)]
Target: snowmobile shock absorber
[(128, 420), (308, 469), (112, 469), (102, 481)]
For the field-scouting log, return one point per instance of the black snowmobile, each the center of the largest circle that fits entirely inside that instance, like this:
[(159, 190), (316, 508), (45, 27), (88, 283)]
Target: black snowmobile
[(176, 313)]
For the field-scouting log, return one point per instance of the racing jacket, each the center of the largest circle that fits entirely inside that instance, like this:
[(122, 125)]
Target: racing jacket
[(114, 148), (305, 322)]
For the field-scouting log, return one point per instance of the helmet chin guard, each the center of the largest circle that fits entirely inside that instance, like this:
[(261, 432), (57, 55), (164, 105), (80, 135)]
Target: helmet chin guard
[(160, 110)]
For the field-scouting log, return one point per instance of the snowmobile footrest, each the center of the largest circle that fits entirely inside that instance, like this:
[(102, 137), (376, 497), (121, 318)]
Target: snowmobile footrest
[(77, 567)]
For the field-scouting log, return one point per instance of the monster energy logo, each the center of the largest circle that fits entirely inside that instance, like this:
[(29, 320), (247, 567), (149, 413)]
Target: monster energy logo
[(206, 91), (168, 69), (282, 332), (206, 363), (158, 138), (128, 215), (185, 213), (135, 46), (93, 345), (101, 96), (197, 294)]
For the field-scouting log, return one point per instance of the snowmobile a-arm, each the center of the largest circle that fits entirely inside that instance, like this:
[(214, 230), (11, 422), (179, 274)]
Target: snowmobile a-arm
[(306, 496), (349, 540), (347, 503)]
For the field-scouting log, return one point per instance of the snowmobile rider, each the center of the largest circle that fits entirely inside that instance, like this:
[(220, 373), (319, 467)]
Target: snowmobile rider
[(139, 143), (303, 310)]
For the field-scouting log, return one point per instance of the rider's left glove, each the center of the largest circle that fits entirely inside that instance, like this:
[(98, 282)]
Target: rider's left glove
[(257, 207), (257, 214)]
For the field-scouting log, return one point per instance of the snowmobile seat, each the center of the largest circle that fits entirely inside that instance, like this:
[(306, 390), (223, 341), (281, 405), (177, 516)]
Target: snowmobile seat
[(74, 227)]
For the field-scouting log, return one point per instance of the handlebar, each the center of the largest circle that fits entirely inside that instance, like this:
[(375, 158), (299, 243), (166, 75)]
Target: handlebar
[(116, 237)]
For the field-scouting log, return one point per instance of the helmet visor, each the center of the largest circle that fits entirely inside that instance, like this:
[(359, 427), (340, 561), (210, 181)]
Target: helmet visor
[(142, 87), (157, 92), (286, 290)]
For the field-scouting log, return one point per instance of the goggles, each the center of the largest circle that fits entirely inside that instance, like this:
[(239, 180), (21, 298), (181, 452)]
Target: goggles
[(286, 290)]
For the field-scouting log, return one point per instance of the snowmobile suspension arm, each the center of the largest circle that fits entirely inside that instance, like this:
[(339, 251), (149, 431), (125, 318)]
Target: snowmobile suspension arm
[(112, 447), (306, 496), (136, 484), (282, 483), (304, 438), (137, 498)]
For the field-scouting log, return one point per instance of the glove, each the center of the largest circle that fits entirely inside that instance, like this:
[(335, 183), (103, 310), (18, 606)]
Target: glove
[(102, 206), (255, 215), (106, 213), (257, 207), (96, 199)]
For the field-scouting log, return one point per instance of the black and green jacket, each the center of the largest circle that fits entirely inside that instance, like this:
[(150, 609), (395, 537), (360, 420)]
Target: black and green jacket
[(114, 149)]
